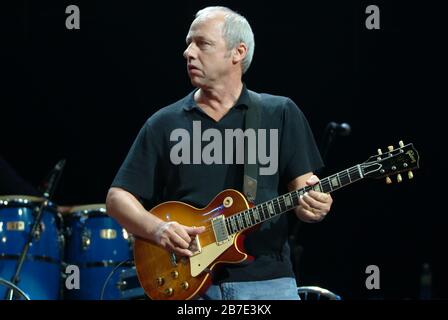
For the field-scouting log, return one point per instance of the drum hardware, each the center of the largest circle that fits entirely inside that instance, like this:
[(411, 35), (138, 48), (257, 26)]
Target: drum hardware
[(15, 226), (120, 283), (38, 231), (85, 239), (61, 240), (15, 288), (129, 285), (108, 234), (48, 193)]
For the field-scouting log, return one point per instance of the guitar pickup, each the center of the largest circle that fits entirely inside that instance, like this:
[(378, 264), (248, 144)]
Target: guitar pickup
[(220, 230)]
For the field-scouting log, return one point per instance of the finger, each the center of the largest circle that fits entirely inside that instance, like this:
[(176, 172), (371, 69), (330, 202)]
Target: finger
[(178, 241), (183, 252), (320, 196), (304, 204), (312, 180), (179, 251), (192, 231), (182, 232), (309, 216), (312, 203)]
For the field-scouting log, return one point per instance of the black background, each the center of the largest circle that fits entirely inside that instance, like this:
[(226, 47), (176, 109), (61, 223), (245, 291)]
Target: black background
[(84, 94)]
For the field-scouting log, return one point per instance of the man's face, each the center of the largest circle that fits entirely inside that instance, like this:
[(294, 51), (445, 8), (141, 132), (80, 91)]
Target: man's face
[(208, 59)]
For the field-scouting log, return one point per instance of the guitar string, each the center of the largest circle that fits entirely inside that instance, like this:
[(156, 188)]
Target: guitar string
[(281, 201)]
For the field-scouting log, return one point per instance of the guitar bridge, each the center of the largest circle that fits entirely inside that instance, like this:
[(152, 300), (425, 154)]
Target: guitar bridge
[(195, 245)]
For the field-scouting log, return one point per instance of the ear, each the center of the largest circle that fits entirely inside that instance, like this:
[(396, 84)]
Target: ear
[(239, 53)]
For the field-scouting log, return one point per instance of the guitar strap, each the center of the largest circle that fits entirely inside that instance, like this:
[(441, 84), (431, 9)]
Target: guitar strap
[(251, 170)]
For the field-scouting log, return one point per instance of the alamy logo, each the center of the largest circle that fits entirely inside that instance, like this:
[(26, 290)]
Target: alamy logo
[(188, 150), (73, 20), (373, 280), (72, 281)]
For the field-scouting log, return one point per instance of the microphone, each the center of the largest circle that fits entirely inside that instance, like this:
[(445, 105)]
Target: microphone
[(53, 179), (332, 130), (342, 129)]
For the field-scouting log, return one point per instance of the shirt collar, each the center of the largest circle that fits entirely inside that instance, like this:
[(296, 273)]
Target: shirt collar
[(242, 102)]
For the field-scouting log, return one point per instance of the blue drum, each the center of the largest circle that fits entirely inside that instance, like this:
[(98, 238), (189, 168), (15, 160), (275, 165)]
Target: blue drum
[(96, 244), (40, 276)]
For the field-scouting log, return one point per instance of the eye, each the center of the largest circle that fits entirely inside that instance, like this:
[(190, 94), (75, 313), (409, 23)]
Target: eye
[(204, 43)]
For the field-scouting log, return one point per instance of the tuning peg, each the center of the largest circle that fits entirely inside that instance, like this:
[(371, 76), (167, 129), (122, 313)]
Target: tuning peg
[(401, 144), (391, 148), (410, 175), (380, 152), (388, 180), (399, 178)]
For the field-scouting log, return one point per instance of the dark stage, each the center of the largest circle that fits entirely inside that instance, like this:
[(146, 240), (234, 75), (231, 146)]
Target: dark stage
[(84, 94)]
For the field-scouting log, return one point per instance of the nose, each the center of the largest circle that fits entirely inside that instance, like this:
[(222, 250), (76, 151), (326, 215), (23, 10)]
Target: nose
[(189, 52)]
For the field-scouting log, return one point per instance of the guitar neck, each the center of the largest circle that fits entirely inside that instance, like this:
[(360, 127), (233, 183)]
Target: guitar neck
[(267, 210)]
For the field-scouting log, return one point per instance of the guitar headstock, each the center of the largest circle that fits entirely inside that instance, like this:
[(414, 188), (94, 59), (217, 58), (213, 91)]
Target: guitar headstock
[(393, 162)]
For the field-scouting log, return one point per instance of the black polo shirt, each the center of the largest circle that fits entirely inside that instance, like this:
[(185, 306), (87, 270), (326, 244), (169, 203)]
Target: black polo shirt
[(150, 175)]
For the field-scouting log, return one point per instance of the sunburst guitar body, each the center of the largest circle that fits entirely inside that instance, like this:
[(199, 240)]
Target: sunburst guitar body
[(164, 275)]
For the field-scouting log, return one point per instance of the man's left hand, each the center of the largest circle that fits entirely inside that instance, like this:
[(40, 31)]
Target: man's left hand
[(313, 205)]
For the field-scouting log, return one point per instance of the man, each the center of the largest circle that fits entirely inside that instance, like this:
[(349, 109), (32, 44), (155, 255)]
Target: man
[(220, 46)]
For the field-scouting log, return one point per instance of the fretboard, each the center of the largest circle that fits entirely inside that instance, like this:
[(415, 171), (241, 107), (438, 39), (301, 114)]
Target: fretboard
[(267, 210)]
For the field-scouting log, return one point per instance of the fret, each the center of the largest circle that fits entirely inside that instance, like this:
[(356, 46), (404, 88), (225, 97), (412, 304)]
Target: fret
[(240, 222), (250, 213), (360, 172), (243, 219), (325, 185), (261, 210), (344, 179), (330, 188), (288, 200), (232, 221), (247, 219), (339, 180), (355, 173), (295, 198), (229, 231), (282, 201), (348, 174), (270, 208), (317, 187), (285, 205), (277, 204), (256, 215)]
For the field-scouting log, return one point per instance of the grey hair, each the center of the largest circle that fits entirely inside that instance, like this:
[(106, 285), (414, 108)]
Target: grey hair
[(236, 29)]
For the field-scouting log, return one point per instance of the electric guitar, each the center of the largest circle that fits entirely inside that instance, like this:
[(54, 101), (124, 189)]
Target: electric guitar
[(164, 275)]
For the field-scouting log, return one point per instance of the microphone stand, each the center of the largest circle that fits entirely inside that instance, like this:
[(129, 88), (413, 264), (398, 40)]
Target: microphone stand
[(34, 232), (327, 139)]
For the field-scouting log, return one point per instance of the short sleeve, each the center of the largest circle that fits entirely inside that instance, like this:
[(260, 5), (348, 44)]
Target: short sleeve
[(139, 174), (299, 152)]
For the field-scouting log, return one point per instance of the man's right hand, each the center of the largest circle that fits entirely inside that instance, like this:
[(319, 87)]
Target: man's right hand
[(176, 237)]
